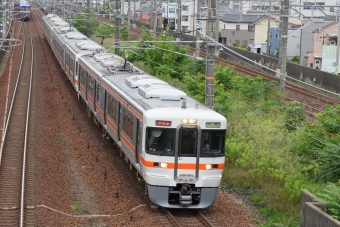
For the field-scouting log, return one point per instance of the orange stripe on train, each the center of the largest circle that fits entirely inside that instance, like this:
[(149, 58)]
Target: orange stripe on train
[(127, 142), (171, 165)]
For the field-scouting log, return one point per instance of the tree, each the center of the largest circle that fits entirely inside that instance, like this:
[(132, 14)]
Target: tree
[(80, 23), (295, 115)]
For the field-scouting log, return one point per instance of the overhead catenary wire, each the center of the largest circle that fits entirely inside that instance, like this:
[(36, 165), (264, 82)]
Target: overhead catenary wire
[(222, 46), (257, 103), (234, 52), (246, 58)]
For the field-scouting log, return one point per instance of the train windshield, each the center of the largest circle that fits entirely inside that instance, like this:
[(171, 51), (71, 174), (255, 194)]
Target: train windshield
[(160, 141), (212, 143), (187, 142)]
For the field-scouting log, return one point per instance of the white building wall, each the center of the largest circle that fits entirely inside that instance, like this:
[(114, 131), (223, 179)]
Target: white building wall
[(169, 10), (308, 11), (293, 49), (125, 6), (224, 25), (261, 30)]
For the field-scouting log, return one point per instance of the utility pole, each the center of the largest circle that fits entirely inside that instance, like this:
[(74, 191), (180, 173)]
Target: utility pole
[(129, 14), (117, 32), (110, 10), (268, 31), (179, 9), (154, 16), (198, 34), (1, 24), (134, 13), (283, 43), (88, 19), (337, 52), (210, 62), (217, 28), (71, 20), (193, 18)]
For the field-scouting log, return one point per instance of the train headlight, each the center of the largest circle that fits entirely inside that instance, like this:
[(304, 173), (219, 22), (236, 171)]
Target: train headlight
[(161, 165), (164, 165), (189, 121), (211, 166)]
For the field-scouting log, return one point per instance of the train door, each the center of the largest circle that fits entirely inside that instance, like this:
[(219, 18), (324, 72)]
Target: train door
[(87, 77), (75, 70), (139, 139), (103, 104), (187, 162), (96, 96), (187, 146), (77, 76), (127, 132)]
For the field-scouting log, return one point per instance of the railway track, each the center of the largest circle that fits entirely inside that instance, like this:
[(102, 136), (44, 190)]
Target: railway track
[(183, 218), (313, 100), (16, 162)]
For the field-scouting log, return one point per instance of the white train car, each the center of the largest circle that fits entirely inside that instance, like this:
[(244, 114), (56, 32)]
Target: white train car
[(175, 143)]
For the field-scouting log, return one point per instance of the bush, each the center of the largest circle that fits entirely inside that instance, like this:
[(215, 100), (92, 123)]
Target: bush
[(295, 60), (330, 196)]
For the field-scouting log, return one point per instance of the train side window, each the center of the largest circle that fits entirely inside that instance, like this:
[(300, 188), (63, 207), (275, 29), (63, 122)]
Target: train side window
[(72, 65), (128, 124), (82, 76), (112, 108), (90, 87), (97, 90), (76, 68)]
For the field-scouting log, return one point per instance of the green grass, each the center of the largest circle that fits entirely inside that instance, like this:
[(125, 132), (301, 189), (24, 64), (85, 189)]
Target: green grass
[(76, 206)]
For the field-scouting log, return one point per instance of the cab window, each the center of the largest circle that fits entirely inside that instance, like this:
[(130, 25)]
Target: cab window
[(160, 141), (212, 143)]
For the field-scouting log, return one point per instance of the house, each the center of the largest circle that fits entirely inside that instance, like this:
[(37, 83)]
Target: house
[(309, 12), (261, 28), (169, 14), (293, 43), (325, 48), (307, 40), (134, 9), (303, 10), (235, 29), (253, 5), (145, 14)]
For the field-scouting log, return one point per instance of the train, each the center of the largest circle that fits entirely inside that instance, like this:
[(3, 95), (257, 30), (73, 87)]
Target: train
[(175, 143), (25, 10)]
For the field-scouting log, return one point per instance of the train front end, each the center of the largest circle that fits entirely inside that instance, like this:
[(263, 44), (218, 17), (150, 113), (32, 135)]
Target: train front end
[(25, 12), (183, 156)]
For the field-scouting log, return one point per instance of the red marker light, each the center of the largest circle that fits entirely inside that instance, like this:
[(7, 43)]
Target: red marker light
[(163, 123)]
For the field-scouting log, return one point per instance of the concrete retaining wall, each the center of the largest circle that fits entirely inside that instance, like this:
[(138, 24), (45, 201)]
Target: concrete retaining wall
[(312, 214)]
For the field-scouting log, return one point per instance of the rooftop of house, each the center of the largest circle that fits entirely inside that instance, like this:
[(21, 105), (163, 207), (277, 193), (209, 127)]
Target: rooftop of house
[(240, 18)]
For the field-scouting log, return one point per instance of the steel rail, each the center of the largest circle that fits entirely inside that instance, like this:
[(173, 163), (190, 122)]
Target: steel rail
[(26, 135), (24, 139), (12, 102)]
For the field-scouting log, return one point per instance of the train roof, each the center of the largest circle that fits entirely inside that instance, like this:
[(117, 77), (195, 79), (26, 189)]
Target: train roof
[(145, 92), (24, 3)]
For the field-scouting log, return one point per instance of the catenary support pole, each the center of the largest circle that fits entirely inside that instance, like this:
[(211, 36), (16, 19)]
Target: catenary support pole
[(117, 32)]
